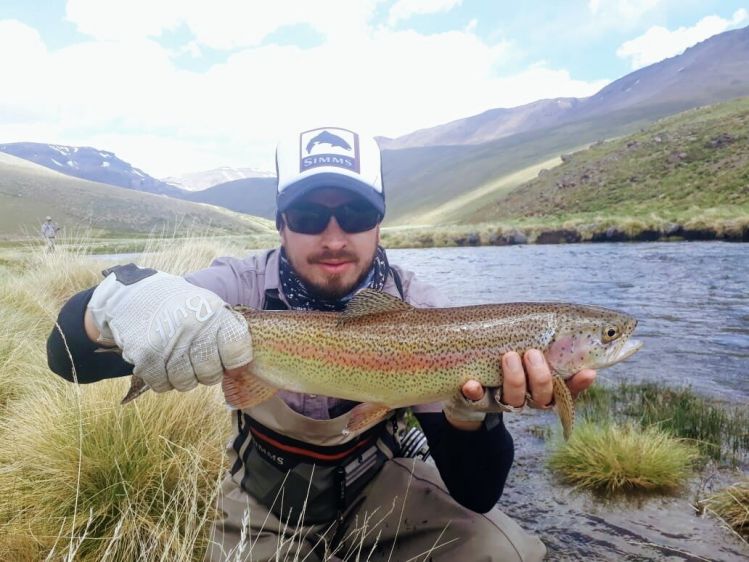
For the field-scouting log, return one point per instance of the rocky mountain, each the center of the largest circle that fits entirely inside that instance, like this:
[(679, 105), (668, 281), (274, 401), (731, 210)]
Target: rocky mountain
[(714, 70), (91, 164), (197, 181)]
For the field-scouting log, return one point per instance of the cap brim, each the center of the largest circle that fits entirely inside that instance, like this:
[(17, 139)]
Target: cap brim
[(296, 190)]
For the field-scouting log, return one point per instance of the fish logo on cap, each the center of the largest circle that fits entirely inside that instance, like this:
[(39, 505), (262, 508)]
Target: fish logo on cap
[(330, 146)]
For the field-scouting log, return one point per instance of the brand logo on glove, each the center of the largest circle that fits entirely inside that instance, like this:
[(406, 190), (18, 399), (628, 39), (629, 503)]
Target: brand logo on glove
[(167, 321)]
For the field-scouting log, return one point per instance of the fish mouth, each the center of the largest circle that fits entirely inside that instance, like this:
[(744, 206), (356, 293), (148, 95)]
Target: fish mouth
[(629, 348)]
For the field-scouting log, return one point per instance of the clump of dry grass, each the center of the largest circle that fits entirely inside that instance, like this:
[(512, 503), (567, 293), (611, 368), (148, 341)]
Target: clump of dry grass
[(82, 477), (612, 458), (731, 504), (82, 471), (180, 256)]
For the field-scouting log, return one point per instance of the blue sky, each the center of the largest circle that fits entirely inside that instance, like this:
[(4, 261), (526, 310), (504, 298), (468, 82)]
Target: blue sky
[(176, 86)]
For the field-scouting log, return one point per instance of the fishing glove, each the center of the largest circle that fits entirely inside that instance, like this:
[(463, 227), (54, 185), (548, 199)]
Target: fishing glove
[(460, 408), (175, 334)]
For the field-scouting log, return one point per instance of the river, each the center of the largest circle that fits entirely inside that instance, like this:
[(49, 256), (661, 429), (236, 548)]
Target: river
[(691, 299)]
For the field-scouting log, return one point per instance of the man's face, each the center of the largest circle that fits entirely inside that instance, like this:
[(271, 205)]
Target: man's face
[(333, 262)]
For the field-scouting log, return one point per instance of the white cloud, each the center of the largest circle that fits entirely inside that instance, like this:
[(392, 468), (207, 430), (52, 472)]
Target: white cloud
[(121, 91), (404, 9), (113, 19), (628, 10), (658, 43), (219, 24)]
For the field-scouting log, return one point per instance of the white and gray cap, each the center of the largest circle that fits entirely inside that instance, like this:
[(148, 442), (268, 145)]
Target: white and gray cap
[(328, 157)]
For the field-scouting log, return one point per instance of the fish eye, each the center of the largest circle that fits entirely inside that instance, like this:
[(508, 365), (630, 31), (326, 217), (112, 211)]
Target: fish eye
[(610, 333)]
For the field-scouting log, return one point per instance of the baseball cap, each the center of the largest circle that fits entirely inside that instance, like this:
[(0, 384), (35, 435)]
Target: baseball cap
[(48, 218), (328, 157)]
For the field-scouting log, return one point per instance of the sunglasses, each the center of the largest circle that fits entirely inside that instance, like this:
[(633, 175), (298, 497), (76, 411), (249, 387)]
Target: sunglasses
[(312, 218)]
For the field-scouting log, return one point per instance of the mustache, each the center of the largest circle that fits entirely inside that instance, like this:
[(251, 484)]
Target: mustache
[(343, 255)]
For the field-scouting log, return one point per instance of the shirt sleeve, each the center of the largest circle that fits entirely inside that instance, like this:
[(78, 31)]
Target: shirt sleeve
[(234, 280), (473, 464), (70, 352)]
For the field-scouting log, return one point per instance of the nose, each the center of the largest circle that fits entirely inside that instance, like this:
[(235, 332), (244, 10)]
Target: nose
[(333, 237)]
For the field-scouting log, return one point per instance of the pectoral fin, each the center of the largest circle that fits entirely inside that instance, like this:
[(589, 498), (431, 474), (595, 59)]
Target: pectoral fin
[(564, 405), (365, 415), (245, 390)]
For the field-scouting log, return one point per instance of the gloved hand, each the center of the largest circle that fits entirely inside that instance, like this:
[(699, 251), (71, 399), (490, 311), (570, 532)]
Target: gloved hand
[(175, 334)]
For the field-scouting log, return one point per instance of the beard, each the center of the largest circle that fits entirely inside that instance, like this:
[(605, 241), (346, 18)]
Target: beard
[(332, 287)]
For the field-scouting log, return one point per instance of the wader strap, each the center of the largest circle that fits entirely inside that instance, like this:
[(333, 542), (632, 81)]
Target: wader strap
[(398, 282), (286, 452)]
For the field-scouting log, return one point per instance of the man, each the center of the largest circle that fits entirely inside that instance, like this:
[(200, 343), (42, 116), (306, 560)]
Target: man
[(49, 231), (294, 471)]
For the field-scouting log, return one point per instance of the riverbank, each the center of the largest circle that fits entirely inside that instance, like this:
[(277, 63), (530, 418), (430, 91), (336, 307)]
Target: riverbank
[(718, 225)]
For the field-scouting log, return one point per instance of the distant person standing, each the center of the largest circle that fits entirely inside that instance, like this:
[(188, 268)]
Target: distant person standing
[(49, 231)]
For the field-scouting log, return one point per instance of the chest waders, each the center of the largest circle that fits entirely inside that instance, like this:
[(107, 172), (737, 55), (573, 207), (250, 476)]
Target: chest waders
[(305, 471)]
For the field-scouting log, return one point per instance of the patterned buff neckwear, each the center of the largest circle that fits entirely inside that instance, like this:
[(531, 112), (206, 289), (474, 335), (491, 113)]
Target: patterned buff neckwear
[(299, 297)]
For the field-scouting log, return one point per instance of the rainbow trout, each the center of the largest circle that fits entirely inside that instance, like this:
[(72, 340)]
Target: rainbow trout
[(386, 354)]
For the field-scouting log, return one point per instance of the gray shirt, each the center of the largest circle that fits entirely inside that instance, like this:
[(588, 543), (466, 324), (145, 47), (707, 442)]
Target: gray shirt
[(246, 281), (49, 229)]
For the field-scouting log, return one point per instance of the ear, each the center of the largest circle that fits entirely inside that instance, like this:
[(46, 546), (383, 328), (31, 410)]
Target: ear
[(378, 234)]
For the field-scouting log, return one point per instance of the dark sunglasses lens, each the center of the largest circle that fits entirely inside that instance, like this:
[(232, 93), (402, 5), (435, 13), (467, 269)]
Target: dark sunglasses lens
[(309, 219), (354, 218)]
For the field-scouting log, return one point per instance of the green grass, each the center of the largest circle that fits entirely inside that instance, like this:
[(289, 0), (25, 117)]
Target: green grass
[(675, 168), (613, 459), (720, 431)]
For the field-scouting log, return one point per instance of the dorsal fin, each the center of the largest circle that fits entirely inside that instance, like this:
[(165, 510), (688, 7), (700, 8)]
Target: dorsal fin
[(368, 302)]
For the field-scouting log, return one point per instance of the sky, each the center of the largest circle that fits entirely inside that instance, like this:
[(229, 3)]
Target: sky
[(179, 86)]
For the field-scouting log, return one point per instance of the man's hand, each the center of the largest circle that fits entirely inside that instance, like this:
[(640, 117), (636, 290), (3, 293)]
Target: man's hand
[(524, 381), (175, 334)]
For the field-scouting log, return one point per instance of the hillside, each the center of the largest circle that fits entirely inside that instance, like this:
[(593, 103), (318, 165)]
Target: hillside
[(254, 196), (682, 165), (714, 70), (28, 192), (420, 179)]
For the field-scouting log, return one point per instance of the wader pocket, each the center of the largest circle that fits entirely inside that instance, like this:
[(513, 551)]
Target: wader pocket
[(290, 485)]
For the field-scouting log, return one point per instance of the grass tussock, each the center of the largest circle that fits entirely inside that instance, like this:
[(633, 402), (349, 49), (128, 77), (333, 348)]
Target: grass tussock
[(731, 504), (720, 431), (82, 477), (87, 472), (614, 458)]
